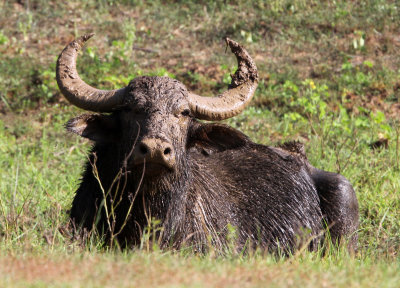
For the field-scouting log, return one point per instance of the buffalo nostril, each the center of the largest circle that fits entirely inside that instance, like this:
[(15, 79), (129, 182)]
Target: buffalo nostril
[(143, 149), (167, 151)]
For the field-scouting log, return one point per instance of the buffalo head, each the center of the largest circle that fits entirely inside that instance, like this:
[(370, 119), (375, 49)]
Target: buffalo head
[(152, 118)]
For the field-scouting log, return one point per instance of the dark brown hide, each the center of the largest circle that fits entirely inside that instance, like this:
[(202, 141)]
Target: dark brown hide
[(273, 196), (152, 159)]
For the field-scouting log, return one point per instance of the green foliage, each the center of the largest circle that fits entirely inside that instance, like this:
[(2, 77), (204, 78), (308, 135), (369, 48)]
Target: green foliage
[(309, 104), (354, 78), (3, 39)]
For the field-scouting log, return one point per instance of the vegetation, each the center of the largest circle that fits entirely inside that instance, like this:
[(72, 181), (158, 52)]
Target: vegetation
[(329, 78)]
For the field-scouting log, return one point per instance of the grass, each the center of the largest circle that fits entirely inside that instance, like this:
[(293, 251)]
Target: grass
[(329, 78), (172, 270)]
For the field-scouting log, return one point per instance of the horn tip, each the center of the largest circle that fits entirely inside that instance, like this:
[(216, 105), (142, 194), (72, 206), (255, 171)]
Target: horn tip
[(231, 43), (86, 37), (82, 40)]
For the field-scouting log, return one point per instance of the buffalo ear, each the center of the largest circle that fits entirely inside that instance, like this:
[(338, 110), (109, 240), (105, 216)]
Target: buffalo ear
[(214, 138), (96, 127)]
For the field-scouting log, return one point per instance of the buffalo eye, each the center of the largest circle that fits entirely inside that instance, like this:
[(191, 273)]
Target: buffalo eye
[(185, 112)]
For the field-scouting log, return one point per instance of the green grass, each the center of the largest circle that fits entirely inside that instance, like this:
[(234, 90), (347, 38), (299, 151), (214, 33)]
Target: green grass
[(329, 77)]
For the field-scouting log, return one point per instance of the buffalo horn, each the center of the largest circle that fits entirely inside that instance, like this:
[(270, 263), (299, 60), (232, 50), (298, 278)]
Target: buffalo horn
[(76, 90), (236, 98)]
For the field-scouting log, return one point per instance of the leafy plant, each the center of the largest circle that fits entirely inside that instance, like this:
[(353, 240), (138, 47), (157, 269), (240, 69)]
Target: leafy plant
[(3, 39)]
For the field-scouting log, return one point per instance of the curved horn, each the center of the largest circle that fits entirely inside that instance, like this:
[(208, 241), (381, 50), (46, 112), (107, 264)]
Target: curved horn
[(76, 90), (233, 101)]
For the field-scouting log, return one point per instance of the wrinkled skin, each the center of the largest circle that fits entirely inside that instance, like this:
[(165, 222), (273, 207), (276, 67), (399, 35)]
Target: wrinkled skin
[(217, 177)]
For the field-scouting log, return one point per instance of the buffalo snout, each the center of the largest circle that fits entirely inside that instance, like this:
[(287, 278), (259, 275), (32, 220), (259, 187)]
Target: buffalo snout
[(154, 151)]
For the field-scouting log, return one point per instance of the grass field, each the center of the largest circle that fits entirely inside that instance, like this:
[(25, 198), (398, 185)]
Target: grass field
[(330, 77)]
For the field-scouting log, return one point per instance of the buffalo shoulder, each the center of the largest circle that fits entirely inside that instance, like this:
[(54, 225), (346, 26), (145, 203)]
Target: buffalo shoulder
[(213, 138)]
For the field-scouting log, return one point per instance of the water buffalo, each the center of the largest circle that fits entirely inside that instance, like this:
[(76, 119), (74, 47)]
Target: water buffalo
[(153, 159)]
